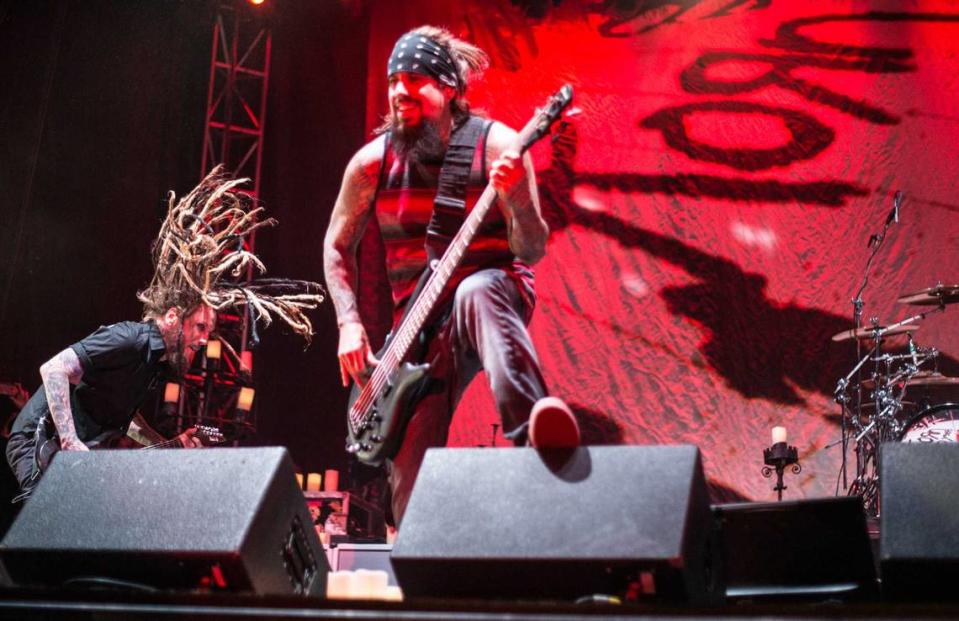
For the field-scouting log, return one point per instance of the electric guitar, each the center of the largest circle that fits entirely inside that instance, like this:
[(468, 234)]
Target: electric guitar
[(48, 441), (380, 410)]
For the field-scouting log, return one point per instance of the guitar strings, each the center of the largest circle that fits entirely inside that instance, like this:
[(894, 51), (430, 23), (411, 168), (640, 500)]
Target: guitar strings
[(378, 379)]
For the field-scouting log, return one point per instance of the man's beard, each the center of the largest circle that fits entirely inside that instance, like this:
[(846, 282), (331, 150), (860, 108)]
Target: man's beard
[(421, 142), (178, 357)]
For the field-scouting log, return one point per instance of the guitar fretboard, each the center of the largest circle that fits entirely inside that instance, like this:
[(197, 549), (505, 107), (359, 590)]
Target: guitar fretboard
[(422, 307)]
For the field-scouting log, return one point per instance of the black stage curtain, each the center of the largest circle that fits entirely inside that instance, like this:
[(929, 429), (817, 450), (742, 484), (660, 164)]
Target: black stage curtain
[(101, 114)]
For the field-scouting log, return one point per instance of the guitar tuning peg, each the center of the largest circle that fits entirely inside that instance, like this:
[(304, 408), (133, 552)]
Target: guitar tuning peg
[(571, 112)]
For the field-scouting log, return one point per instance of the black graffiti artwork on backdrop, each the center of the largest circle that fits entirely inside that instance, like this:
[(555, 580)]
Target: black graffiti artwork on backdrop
[(827, 192), (809, 137), (621, 12), (788, 37), (694, 80)]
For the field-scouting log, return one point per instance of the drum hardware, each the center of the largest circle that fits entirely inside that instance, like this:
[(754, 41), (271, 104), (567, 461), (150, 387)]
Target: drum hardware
[(868, 433), (887, 416), (896, 357), (868, 429), (875, 410), (940, 295), (905, 375)]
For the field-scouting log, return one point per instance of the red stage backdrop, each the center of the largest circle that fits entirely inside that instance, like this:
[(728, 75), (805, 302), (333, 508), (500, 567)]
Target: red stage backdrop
[(711, 206)]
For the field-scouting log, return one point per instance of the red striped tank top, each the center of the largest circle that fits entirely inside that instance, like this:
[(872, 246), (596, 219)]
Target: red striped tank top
[(404, 205)]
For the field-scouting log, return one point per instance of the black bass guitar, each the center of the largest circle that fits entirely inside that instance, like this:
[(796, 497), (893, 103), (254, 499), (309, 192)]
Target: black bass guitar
[(48, 442), (379, 411)]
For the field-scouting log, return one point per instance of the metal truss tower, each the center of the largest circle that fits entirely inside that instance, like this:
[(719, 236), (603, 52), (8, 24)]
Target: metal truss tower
[(236, 101), (214, 391)]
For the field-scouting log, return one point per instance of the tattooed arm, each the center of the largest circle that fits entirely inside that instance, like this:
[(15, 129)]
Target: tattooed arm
[(515, 182), (58, 373), (351, 212)]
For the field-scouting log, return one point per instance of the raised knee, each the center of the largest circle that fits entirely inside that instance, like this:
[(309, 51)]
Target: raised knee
[(480, 287)]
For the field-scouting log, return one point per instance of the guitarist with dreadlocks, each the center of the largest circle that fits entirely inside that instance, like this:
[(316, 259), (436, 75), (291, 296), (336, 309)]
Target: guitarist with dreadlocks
[(396, 184), (93, 388)]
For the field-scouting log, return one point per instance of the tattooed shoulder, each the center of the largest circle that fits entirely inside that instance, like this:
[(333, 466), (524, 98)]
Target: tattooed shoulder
[(367, 162), (67, 363)]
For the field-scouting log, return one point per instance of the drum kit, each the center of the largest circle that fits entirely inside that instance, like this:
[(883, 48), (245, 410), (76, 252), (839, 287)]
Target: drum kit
[(896, 395)]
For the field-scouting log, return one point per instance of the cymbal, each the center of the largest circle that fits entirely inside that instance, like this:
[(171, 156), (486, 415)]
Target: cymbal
[(869, 404), (922, 378), (932, 378), (870, 332), (933, 296)]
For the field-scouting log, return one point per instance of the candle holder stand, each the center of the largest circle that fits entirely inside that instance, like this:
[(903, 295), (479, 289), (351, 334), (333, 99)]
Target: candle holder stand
[(777, 458)]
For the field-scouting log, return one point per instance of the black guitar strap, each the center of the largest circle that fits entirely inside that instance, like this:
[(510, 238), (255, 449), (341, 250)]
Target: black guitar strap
[(449, 206)]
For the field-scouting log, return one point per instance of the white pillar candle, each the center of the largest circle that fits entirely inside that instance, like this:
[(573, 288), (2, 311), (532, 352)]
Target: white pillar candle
[(171, 393), (339, 584), (779, 435), (213, 349), (245, 400), (332, 481), (369, 583), (246, 361), (313, 482)]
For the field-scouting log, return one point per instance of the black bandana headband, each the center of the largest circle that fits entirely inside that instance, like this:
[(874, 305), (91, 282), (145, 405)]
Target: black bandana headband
[(415, 53)]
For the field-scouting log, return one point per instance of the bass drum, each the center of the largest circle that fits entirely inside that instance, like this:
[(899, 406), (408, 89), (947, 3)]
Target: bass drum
[(939, 423)]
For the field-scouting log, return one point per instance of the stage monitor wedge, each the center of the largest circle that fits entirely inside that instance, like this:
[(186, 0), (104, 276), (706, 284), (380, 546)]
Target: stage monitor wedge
[(919, 511), (230, 519), (563, 524), (798, 550)]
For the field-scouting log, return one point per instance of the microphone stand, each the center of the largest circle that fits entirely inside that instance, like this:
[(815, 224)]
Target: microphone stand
[(875, 242)]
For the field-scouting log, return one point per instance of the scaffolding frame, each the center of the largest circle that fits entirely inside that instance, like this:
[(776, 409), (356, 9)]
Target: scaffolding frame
[(235, 122), (236, 100)]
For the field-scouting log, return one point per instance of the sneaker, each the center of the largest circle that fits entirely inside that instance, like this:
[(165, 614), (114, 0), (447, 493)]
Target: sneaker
[(552, 425)]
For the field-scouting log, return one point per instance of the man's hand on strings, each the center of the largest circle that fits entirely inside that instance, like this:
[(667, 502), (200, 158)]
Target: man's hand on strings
[(507, 174), (190, 439), (355, 354)]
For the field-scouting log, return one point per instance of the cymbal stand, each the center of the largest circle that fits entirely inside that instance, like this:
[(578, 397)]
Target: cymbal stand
[(875, 242), (885, 424), (867, 431)]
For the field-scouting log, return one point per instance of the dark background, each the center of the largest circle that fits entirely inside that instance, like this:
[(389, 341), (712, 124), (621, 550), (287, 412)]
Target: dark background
[(101, 113)]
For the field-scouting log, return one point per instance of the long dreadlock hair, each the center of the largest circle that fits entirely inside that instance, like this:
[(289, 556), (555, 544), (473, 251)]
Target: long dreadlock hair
[(199, 258)]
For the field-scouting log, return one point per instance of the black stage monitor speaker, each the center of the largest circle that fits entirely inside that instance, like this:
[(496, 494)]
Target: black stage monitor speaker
[(802, 549), (566, 524), (919, 509), (229, 519)]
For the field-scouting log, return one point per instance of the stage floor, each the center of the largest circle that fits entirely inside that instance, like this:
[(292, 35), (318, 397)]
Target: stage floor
[(42, 605)]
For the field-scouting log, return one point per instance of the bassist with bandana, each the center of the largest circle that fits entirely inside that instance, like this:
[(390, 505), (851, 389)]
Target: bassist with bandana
[(481, 324)]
